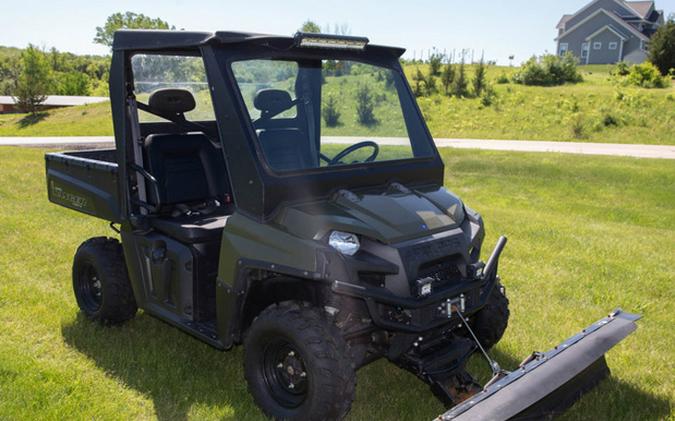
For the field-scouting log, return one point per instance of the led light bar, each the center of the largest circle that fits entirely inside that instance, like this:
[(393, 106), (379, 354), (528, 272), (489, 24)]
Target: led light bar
[(312, 40)]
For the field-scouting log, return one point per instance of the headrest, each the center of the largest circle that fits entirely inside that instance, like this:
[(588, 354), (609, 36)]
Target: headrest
[(272, 101), (172, 101)]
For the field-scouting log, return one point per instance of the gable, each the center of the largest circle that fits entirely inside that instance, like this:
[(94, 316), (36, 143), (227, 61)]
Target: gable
[(597, 20), (619, 9)]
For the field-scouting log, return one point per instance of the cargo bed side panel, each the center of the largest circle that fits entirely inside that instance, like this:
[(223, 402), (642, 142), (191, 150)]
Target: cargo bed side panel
[(85, 181)]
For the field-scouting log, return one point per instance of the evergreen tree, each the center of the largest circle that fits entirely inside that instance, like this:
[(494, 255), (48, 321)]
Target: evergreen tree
[(447, 78), (459, 86), (479, 78)]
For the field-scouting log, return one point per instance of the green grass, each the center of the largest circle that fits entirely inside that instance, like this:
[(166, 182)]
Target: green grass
[(595, 110), (586, 234)]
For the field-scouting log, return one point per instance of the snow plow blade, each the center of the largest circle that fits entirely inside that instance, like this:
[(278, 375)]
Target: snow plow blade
[(546, 384)]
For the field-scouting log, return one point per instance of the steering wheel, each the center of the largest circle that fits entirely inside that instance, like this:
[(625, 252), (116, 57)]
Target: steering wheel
[(350, 149)]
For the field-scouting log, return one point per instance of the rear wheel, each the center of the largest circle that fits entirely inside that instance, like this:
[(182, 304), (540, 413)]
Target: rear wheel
[(490, 323), (100, 281), (297, 365)]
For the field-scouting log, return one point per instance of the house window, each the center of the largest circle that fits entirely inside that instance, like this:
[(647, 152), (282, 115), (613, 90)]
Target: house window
[(613, 45), (597, 46), (584, 50), (644, 45), (563, 48)]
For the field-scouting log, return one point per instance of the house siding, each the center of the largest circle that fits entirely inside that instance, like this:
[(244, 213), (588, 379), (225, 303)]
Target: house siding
[(575, 38), (604, 55)]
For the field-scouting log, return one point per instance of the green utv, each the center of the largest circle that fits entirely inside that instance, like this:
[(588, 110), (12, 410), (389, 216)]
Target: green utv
[(284, 193)]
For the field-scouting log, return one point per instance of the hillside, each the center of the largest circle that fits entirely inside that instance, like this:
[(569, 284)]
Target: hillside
[(592, 111)]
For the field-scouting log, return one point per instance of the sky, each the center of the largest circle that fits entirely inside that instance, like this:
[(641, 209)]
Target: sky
[(498, 29)]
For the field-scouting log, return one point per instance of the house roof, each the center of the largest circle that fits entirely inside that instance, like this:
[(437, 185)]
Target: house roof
[(641, 7), (614, 17), (603, 29), (60, 100), (563, 21)]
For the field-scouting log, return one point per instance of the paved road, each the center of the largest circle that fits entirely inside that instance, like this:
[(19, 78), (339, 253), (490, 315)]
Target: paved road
[(614, 149)]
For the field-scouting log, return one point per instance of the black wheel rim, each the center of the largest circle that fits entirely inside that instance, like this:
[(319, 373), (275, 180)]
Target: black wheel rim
[(285, 374), (88, 289)]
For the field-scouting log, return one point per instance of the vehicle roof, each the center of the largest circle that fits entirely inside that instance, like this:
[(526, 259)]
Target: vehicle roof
[(151, 39)]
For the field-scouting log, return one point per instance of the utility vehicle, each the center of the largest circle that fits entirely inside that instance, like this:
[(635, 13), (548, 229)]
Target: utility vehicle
[(284, 193)]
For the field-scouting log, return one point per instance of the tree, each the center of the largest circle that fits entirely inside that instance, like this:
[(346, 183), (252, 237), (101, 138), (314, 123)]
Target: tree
[(430, 85), (34, 80), (330, 113), (365, 106), (662, 46), (447, 77), (310, 26), (435, 62), (127, 20), (479, 78), (419, 79), (459, 87)]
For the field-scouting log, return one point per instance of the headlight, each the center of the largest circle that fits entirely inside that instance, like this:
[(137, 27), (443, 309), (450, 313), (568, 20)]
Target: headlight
[(344, 242)]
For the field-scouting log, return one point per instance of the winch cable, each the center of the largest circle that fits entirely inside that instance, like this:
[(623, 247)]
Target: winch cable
[(494, 365)]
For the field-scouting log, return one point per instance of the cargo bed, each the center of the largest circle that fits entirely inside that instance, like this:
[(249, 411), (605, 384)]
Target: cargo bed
[(85, 181)]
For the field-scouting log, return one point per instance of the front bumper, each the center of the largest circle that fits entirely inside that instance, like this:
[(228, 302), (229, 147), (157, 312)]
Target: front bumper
[(416, 315)]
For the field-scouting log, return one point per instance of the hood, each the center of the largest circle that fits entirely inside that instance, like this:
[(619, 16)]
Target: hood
[(395, 215)]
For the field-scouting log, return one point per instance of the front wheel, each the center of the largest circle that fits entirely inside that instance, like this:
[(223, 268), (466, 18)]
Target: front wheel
[(297, 365), (489, 324), (101, 283)]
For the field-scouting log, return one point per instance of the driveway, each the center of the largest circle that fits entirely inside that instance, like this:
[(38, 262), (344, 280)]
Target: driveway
[(613, 149)]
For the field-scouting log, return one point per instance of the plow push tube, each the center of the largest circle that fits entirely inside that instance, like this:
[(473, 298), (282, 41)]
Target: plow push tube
[(547, 383)]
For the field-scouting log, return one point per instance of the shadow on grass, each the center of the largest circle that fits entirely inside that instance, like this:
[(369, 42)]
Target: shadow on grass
[(179, 373), (31, 119)]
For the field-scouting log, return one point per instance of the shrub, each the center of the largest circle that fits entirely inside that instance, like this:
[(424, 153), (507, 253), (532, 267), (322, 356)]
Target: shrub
[(330, 113), (608, 119), (646, 75), (621, 69), (489, 96), (549, 70), (478, 81), (365, 106), (577, 126), (503, 79)]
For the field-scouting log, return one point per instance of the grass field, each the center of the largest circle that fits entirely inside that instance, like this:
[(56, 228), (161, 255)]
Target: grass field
[(596, 110), (586, 234)]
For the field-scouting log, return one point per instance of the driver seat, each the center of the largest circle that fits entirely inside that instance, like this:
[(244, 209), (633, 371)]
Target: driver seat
[(285, 148)]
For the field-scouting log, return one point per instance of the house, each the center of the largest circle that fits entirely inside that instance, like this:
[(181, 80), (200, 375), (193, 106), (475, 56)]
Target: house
[(8, 104), (609, 31)]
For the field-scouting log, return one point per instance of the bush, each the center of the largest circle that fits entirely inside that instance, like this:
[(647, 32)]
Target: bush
[(646, 75), (330, 113), (578, 126), (549, 70), (621, 69), (503, 79), (489, 96), (365, 106)]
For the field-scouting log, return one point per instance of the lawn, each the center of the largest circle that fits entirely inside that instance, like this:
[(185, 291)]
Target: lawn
[(586, 234), (596, 110)]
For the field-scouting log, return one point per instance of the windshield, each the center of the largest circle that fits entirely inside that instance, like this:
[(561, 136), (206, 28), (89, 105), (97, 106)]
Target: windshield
[(311, 114)]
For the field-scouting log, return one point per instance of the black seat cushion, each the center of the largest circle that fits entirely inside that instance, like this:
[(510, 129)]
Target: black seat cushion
[(193, 228), (286, 149), (188, 168)]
